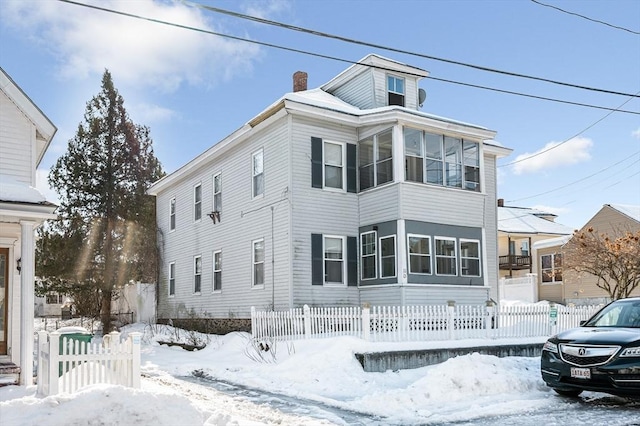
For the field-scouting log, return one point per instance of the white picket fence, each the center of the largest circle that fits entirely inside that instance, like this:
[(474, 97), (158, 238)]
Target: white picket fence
[(415, 323), (66, 367)]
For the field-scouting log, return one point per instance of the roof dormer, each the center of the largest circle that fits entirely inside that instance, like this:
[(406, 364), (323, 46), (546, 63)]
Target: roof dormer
[(376, 82)]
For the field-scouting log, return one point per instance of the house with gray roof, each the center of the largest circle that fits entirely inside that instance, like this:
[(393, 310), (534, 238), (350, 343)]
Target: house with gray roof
[(344, 194)]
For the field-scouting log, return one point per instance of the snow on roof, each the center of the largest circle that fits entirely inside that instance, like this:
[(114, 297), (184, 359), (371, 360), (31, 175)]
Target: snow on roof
[(319, 98), (551, 242), (517, 220), (18, 192), (627, 209)]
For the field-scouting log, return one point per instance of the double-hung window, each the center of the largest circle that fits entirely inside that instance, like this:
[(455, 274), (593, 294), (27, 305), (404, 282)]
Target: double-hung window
[(217, 270), (257, 173), (453, 161), (469, 258), (334, 160), (172, 278), (433, 157), (388, 256), (414, 158), (258, 262), (368, 255), (197, 202), (471, 160), (197, 274), (172, 214), (395, 90), (551, 268), (419, 254), (334, 259), (217, 193), (445, 249), (375, 160)]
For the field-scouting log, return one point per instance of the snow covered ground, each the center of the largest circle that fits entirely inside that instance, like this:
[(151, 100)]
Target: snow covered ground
[(471, 389)]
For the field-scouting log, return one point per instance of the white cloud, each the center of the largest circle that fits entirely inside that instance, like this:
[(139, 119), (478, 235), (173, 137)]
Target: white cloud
[(553, 155), (636, 133), (86, 41), (148, 113)]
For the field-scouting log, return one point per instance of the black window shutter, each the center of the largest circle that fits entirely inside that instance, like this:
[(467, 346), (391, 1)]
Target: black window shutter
[(352, 260), (351, 168), (317, 260), (316, 162)]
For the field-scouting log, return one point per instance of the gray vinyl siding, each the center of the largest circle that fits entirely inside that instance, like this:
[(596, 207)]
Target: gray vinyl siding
[(440, 295), (380, 204), (17, 142), (490, 214), (432, 203), (318, 211), (243, 220), (390, 295), (358, 91)]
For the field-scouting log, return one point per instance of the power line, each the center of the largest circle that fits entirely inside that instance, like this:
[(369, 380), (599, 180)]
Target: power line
[(586, 17), (567, 140), (393, 49), (333, 58), (571, 183)]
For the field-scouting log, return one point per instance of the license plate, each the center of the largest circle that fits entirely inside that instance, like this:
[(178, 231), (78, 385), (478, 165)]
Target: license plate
[(580, 373)]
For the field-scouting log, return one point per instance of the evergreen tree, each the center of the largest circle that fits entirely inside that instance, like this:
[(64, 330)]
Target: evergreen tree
[(105, 234)]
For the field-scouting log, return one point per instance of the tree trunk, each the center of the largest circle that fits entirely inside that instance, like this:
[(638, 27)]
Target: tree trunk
[(105, 312)]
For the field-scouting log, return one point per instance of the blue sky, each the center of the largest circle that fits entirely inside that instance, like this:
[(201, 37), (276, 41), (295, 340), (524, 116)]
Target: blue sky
[(193, 89)]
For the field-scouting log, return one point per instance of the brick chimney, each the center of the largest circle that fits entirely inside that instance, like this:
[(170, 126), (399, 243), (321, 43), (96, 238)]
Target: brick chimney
[(500, 202), (299, 81)]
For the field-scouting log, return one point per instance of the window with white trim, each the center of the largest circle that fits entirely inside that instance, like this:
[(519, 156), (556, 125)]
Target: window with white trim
[(375, 160), (217, 193), (197, 202), (172, 278), (368, 255), (419, 254), (172, 214), (551, 268), (258, 262), (257, 173), (395, 90), (334, 259), (217, 270), (441, 160), (388, 256), (469, 258), (445, 250), (334, 161), (197, 274)]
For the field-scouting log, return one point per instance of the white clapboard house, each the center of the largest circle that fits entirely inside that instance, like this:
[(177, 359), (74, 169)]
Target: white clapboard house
[(341, 195)]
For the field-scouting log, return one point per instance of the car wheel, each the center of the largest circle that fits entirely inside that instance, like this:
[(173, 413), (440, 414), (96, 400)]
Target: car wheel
[(572, 393)]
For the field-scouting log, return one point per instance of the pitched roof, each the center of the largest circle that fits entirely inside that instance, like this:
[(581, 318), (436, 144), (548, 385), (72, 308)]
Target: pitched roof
[(627, 209), (45, 129), (519, 220)]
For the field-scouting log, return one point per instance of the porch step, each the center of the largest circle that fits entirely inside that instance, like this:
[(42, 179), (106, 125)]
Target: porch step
[(9, 374)]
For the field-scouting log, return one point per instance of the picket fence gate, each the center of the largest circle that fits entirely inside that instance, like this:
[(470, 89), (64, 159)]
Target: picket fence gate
[(418, 323), (66, 364)]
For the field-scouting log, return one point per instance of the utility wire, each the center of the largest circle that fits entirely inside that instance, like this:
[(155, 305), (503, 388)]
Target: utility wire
[(586, 17), (333, 58), (393, 49), (567, 140), (571, 183)]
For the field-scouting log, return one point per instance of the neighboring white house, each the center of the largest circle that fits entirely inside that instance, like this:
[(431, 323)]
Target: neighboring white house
[(25, 134), (341, 195)]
